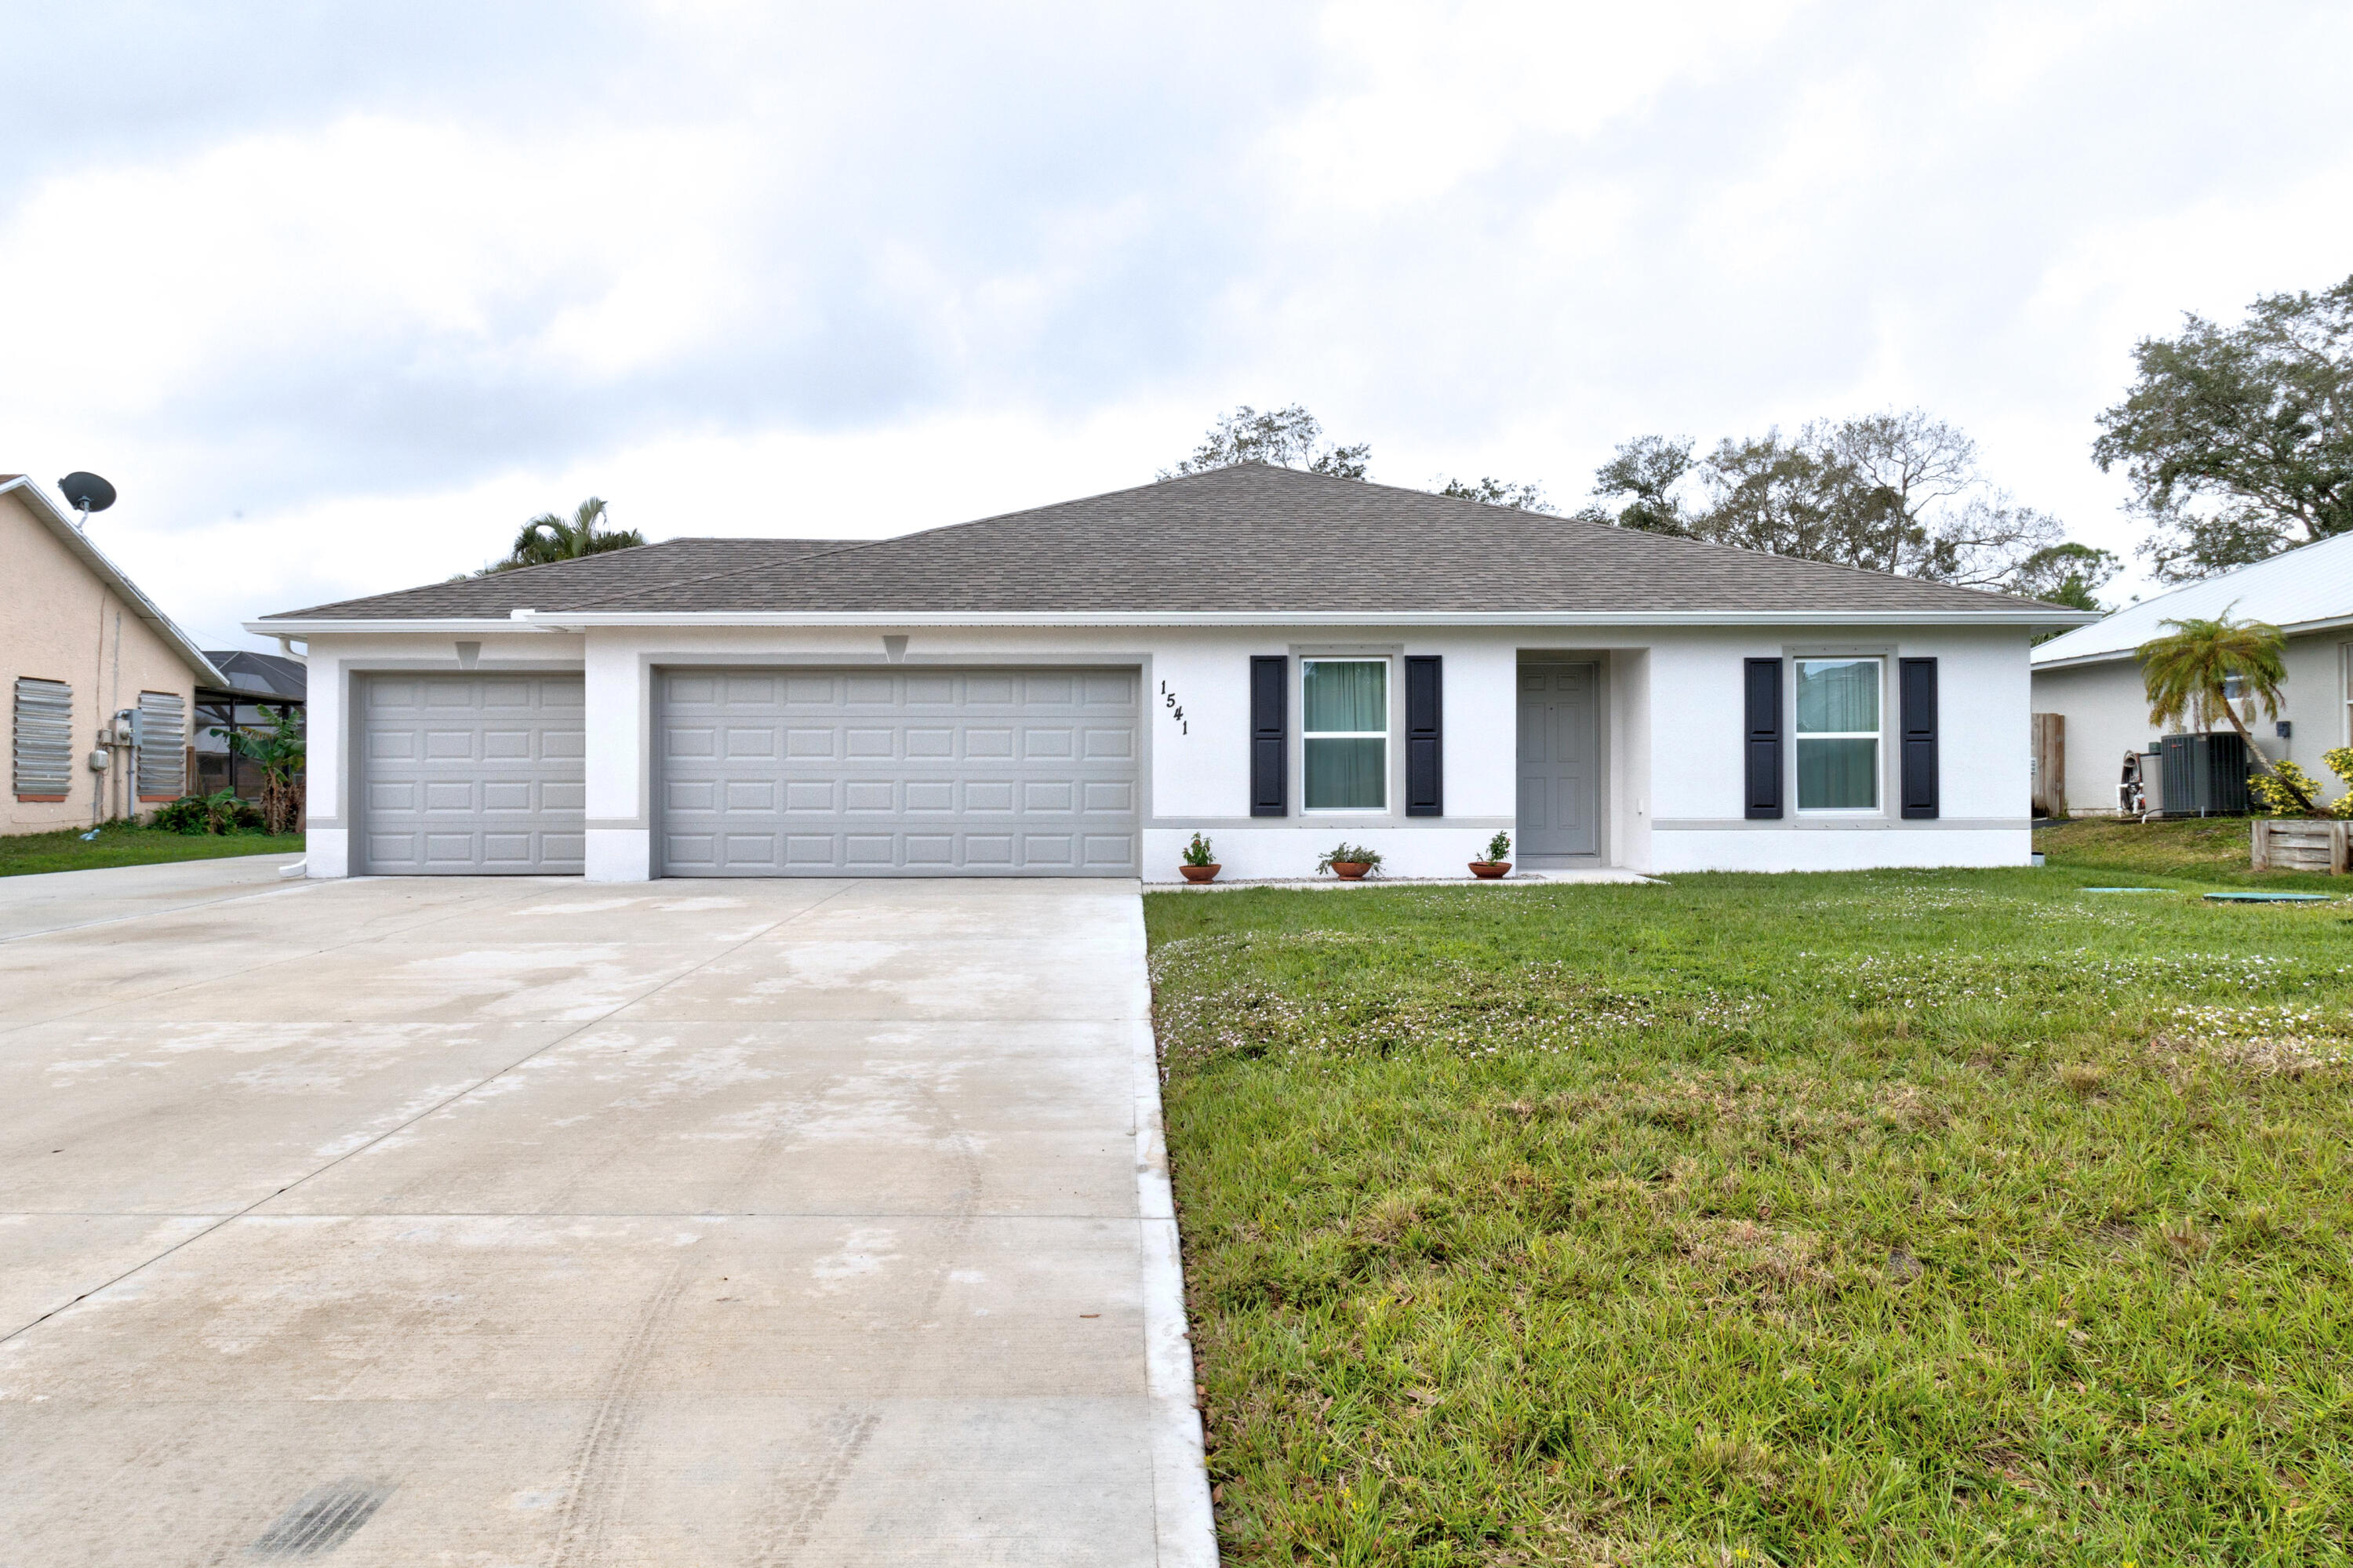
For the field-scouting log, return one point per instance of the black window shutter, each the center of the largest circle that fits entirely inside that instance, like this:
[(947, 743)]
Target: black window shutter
[(1762, 751), (1917, 712), (1270, 738), (1425, 705)]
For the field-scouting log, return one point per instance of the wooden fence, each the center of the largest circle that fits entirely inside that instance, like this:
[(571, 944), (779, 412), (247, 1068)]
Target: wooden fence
[(2050, 765), (2301, 843)]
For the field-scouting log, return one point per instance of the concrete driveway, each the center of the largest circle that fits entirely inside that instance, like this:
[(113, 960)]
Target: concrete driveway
[(529, 1222)]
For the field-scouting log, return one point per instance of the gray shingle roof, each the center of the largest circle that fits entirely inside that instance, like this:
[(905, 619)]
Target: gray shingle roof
[(1250, 538), (569, 584), (265, 675)]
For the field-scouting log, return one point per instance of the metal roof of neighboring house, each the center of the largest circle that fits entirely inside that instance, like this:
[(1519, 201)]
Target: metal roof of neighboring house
[(2307, 589), (1251, 540), (59, 521), (263, 674)]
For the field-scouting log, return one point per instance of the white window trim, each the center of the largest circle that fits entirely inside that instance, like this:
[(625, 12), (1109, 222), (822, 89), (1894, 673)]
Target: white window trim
[(1388, 684), (2345, 692), (1878, 807)]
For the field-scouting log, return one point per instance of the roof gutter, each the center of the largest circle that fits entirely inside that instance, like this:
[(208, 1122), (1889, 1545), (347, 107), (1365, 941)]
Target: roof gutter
[(2082, 660), (77, 543), (2287, 629), (561, 621)]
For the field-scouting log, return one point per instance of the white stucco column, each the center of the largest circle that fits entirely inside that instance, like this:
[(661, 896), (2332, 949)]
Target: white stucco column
[(330, 789), (620, 732)]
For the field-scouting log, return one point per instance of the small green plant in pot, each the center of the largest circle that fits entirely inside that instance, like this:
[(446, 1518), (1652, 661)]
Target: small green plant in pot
[(1201, 862), (1349, 861), (1499, 859)]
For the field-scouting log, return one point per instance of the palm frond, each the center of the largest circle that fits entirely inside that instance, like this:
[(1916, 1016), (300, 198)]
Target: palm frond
[(549, 538)]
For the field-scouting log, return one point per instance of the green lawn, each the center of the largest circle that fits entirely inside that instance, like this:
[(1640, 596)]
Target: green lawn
[(1934, 1217), (2213, 852), (118, 845)]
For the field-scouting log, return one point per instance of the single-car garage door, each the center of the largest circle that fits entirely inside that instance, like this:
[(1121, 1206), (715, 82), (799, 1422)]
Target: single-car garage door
[(473, 775), (899, 772)]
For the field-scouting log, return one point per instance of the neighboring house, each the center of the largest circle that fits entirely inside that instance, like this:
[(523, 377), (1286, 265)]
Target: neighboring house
[(2091, 678), (81, 645), (252, 682), (1277, 659)]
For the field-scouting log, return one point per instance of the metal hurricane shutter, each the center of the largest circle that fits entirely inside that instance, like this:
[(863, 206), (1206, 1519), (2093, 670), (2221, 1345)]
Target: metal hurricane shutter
[(1761, 752), (1425, 701), (473, 775), (42, 764), (931, 771), (163, 737), (1916, 712), (1270, 753)]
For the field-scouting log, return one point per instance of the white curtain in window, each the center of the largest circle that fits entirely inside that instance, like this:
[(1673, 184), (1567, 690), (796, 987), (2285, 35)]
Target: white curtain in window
[(1347, 696), (1347, 707), (1837, 735), (1838, 695)]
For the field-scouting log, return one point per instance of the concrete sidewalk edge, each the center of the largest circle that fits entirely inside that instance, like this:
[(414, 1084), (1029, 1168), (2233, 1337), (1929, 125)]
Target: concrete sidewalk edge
[(1184, 1522)]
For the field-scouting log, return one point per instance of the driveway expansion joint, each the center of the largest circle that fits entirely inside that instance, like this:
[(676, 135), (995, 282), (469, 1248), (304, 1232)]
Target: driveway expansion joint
[(908, 1287)]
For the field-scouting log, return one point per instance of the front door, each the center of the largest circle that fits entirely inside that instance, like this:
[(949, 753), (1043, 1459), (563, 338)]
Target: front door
[(1557, 759)]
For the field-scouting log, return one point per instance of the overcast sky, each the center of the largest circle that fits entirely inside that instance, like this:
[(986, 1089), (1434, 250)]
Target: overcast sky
[(338, 301)]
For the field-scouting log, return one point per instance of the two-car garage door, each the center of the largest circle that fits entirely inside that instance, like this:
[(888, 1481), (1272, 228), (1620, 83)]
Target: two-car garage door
[(909, 772), (765, 772)]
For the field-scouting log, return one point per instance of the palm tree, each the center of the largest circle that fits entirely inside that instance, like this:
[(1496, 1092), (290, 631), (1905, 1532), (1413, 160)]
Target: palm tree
[(2187, 675), (279, 751), (548, 537)]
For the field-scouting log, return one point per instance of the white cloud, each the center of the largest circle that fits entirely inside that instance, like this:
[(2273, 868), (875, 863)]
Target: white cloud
[(338, 308), (862, 485)]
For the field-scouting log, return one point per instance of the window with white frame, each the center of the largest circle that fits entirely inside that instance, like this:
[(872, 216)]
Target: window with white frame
[(2345, 667), (1345, 712), (1837, 735)]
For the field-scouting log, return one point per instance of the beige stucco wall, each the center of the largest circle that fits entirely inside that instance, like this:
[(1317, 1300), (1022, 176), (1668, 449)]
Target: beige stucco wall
[(2107, 708), (64, 623)]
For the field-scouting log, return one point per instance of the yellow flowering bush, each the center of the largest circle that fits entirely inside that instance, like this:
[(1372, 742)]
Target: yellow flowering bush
[(2278, 790), (2275, 790)]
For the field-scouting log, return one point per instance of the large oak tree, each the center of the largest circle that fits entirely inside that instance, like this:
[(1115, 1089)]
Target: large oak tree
[(2238, 441), (1895, 491), (1291, 436)]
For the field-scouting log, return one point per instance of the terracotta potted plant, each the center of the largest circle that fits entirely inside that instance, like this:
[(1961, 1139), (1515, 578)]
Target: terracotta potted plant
[(1495, 864), (1199, 862), (1349, 862)]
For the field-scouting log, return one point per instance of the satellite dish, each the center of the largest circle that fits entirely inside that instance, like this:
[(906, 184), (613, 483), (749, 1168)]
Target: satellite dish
[(86, 493)]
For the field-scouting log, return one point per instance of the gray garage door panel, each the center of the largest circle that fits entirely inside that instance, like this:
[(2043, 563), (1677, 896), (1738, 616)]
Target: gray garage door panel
[(473, 775), (913, 773)]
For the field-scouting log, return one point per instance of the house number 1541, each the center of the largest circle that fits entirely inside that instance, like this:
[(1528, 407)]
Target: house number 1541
[(1168, 701)]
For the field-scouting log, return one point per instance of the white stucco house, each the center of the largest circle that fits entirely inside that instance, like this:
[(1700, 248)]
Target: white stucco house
[(2092, 678), (1276, 659)]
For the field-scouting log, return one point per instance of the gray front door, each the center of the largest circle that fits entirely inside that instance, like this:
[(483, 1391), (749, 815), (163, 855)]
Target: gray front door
[(472, 775), (921, 772), (1557, 759)]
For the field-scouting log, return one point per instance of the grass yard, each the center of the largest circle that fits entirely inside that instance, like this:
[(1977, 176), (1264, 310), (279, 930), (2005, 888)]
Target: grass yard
[(2213, 852), (1920, 1217), (116, 844)]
